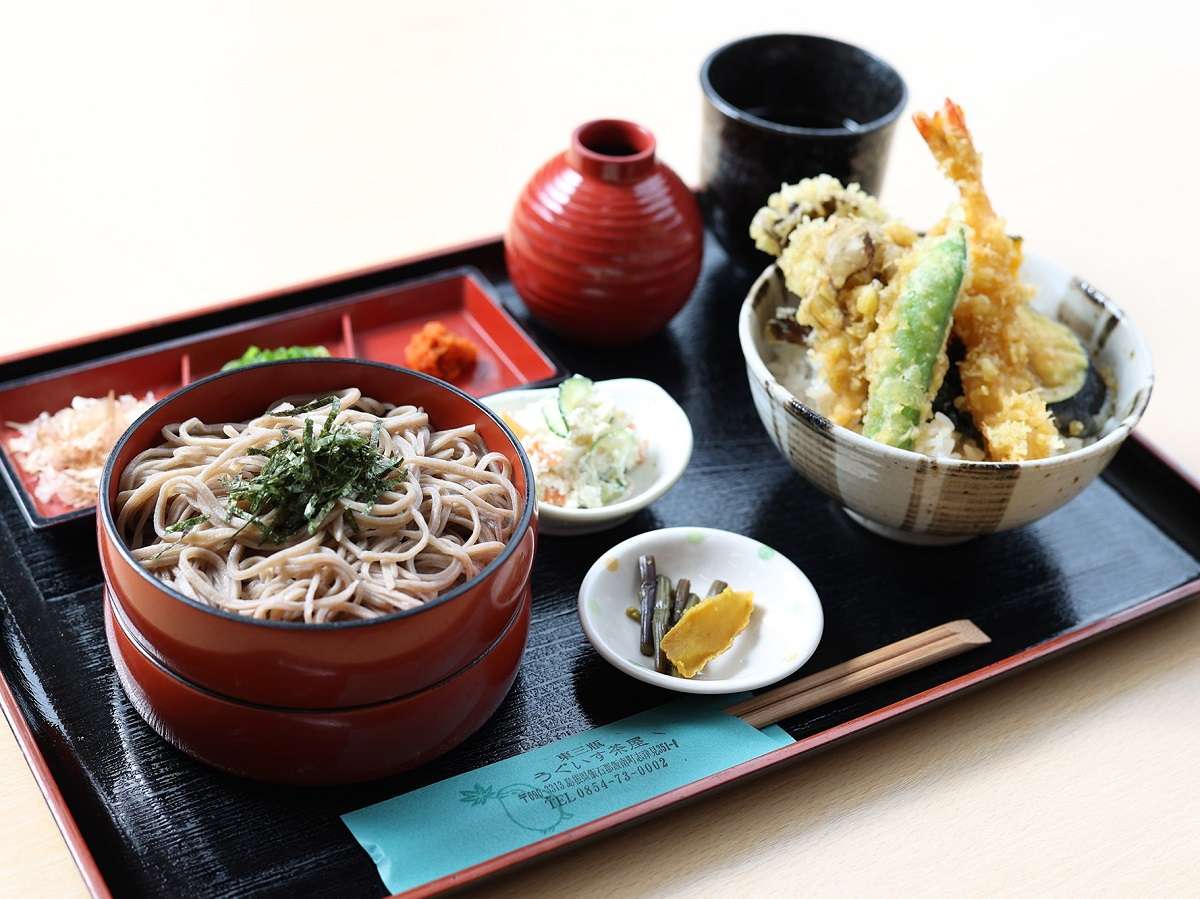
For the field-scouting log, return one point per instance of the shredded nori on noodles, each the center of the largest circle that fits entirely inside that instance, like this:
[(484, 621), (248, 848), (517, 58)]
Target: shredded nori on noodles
[(185, 525), (303, 479)]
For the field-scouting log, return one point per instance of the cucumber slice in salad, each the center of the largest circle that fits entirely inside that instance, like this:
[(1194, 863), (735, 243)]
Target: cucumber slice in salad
[(555, 420), (608, 460), (611, 491), (571, 394)]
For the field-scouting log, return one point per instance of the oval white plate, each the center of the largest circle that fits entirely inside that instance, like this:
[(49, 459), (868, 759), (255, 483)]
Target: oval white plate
[(659, 421), (784, 629)]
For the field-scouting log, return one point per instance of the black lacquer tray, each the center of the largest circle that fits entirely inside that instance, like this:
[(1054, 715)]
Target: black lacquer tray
[(143, 819)]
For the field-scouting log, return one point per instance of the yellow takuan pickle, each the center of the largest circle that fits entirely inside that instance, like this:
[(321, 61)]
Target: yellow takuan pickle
[(706, 630)]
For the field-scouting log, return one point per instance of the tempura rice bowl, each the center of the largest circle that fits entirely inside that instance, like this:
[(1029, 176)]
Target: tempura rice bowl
[(931, 499)]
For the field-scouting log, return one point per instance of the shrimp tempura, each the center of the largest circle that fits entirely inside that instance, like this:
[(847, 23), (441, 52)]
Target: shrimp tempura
[(999, 388)]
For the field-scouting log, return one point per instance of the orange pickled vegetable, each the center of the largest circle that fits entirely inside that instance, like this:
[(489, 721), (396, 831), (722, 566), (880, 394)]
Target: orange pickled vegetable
[(706, 630), (438, 351)]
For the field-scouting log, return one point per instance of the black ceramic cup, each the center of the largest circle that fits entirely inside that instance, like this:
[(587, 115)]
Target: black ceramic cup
[(781, 107)]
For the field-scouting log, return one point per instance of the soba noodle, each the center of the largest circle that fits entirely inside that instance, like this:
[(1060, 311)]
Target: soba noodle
[(449, 508)]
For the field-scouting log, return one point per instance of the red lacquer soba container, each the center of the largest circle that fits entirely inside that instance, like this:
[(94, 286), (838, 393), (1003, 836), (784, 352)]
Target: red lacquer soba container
[(313, 747), (317, 666)]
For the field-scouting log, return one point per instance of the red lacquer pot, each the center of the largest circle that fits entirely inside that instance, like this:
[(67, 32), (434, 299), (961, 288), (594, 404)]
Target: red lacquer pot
[(605, 242), (317, 666), (315, 746)]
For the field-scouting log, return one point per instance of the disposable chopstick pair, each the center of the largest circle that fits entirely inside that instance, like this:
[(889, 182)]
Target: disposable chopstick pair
[(861, 672)]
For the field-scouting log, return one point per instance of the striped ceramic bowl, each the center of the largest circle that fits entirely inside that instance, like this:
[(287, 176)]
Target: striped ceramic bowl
[(919, 499)]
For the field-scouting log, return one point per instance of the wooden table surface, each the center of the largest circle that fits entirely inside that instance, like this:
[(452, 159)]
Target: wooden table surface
[(161, 157)]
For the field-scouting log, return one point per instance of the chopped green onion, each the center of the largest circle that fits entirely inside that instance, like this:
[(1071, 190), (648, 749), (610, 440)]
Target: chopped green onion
[(254, 355)]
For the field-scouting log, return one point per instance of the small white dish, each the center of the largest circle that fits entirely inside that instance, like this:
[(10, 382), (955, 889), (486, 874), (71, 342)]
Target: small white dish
[(916, 499), (660, 423), (784, 628)]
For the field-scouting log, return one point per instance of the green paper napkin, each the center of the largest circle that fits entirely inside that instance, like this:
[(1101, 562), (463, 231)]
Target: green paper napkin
[(464, 820)]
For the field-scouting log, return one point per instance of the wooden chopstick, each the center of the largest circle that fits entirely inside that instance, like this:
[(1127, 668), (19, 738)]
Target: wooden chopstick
[(860, 672)]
